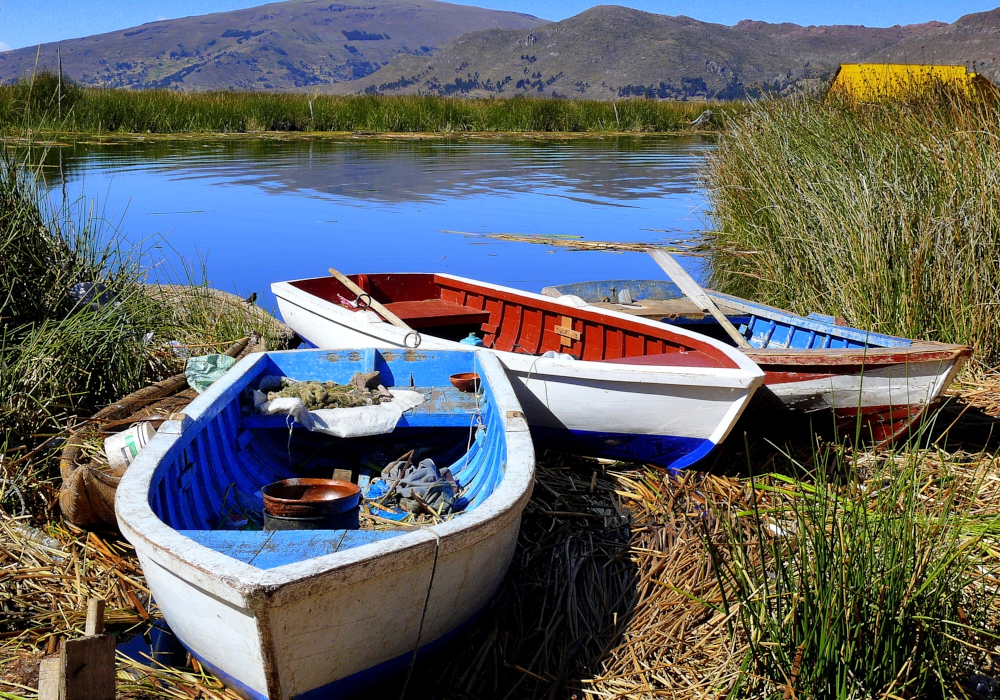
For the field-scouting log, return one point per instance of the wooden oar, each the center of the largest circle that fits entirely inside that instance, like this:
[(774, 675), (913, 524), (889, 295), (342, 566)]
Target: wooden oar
[(376, 305), (693, 291)]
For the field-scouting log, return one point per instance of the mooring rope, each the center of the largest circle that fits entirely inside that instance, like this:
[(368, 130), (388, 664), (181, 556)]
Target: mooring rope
[(423, 614)]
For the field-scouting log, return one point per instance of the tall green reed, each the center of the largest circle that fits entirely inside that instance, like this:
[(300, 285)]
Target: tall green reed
[(58, 355), (102, 111), (886, 214), (63, 357), (873, 588)]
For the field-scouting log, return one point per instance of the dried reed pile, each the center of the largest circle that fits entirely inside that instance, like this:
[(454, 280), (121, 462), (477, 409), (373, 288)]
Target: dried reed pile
[(614, 590), (46, 580)]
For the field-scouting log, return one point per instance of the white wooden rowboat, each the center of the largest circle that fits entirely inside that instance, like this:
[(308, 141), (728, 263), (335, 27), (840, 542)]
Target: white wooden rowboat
[(882, 384), (321, 613), (621, 387)]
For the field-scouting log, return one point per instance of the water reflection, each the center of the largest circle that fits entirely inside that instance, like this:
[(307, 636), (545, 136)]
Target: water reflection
[(268, 210)]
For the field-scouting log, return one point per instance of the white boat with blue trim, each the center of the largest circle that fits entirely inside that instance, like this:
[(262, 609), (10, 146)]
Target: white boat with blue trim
[(590, 382), (881, 384), (295, 614)]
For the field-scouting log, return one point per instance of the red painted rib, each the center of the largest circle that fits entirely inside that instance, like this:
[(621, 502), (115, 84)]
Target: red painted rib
[(517, 321)]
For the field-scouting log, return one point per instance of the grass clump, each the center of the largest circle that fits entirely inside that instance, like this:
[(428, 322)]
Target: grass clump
[(61, 355), (104, 111), (886, 214), (876, 588), (80, 327)]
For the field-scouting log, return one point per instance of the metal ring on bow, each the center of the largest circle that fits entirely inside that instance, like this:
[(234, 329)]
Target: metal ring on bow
[(364, 304), (416, 340)]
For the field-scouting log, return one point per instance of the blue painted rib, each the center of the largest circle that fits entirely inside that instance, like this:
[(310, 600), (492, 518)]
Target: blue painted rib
[(227, 455), (767, 327)]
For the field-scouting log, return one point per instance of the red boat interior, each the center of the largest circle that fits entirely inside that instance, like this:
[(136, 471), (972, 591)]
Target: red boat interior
[(513, 321)]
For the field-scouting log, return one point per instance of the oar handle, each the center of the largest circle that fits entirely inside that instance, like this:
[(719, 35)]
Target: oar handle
[(377, 306), (693, 291)]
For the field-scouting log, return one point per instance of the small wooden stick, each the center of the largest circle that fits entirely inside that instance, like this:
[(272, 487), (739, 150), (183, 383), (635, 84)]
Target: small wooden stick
[(95, 617), (50, 678)]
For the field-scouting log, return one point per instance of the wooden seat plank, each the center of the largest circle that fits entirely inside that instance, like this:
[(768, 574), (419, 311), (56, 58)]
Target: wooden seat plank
[(433, 313), (665, 308)]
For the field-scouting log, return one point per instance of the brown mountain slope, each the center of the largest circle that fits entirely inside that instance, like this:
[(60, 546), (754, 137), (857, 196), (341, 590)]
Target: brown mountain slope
[(971, 39), (273, 47), (611, 51)]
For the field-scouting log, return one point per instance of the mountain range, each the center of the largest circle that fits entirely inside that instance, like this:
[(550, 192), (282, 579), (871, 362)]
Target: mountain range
[(429, 47), (610, 51), (283, 45)]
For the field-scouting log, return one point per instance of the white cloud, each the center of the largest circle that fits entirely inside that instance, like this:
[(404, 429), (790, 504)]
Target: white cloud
[(4, 47)]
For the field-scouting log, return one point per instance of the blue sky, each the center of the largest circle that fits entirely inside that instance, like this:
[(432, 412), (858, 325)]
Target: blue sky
[(28, 22)]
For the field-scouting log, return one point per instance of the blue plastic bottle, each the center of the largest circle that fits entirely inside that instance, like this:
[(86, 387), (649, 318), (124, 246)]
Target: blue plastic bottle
[(473, 339)]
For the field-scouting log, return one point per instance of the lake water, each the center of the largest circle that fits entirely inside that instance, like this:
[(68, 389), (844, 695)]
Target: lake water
[(259, 211)]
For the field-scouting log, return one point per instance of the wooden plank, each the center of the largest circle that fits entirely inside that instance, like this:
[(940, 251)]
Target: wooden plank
[(89, 667), (567, 332), (430, 313), (50, 678)]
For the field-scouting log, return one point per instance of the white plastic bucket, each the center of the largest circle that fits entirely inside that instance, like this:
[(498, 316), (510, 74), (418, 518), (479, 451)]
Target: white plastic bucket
[(121, 448)]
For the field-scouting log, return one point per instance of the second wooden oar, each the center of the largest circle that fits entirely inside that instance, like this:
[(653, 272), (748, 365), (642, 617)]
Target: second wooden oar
[(693, 291)]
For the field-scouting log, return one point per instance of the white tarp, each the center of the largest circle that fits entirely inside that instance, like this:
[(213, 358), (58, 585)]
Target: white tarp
[(344, 422)]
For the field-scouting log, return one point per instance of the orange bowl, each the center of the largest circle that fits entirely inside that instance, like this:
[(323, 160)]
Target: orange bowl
[(465, 381), (302, 498)]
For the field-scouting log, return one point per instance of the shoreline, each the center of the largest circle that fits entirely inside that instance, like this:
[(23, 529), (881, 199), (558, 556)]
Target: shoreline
[(62, 139)]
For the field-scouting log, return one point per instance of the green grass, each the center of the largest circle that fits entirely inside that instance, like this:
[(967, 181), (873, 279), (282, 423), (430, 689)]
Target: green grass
[(61, 359), (871, 589), (885, 214), (33, 104)]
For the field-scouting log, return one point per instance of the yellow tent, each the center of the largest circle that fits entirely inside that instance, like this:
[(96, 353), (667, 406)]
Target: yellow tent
[(868, 82)]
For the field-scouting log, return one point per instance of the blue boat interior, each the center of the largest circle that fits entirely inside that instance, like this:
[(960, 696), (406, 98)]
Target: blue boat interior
[(763, 326), (208, 485)]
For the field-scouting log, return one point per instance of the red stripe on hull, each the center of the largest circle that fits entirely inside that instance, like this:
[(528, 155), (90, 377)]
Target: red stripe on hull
[(880, 424)]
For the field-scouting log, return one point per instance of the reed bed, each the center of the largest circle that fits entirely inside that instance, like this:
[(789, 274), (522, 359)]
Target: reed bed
[(886, 214), (32, 104), (622, 584)]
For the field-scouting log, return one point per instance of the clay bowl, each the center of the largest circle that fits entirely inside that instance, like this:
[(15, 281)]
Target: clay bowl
[(465, 381), (303, 498)]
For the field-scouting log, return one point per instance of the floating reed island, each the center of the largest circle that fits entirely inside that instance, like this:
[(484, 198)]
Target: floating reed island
[(788, 568), (34, 104)]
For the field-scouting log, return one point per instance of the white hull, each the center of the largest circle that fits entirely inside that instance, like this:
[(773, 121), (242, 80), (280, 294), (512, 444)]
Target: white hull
[(330, 622), (690, 405), (915, 384)]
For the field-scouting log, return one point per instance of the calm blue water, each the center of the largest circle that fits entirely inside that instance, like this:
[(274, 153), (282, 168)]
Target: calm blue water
[(257, 211)]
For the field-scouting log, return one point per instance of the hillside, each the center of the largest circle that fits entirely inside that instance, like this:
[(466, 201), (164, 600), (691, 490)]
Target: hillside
[(971, 39), (611, 51), (279, 46)]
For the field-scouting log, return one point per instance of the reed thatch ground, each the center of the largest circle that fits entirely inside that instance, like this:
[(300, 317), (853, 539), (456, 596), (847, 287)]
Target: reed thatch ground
[(614, 590)]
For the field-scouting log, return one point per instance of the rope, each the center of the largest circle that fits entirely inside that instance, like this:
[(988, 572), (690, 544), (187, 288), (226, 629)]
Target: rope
[(423, 615)]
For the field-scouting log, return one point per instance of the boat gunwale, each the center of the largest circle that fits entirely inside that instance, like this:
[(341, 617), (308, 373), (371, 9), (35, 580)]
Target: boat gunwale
[(239, 583), (916, 351), (920, 351), (745, 375)]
